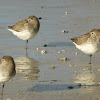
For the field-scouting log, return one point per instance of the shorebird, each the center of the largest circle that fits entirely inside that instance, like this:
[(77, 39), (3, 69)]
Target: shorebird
[(7, 70), (88, 43), (26, 29)]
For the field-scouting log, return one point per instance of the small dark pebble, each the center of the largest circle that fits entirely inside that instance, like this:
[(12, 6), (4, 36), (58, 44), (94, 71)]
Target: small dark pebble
[(64, 31), (70, 87), (67, 31), (49, 45), (45, 45), (40, 18)]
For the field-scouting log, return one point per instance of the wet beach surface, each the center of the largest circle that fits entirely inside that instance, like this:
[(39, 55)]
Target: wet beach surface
[(73, 79)]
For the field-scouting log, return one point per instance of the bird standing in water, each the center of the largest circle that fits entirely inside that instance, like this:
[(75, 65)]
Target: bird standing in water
[(88, 43), (26, 29)]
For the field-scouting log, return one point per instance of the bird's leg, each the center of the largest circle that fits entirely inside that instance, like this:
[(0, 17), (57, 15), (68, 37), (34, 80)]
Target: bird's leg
[(26, 53), (2, 88), (26, 44), (90, 58)]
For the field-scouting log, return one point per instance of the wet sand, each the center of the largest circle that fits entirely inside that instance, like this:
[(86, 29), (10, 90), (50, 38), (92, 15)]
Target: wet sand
[(73, 79)]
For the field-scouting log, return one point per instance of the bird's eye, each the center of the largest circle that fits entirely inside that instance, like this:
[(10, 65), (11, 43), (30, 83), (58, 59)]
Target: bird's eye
[(92, 33), (29, 20)]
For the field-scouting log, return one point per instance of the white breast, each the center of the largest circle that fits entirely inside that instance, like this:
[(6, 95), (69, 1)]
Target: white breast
[(88, 48), (4, 79), (24, 35)]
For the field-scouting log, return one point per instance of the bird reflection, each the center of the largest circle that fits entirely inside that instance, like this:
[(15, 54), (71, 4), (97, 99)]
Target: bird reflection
[(27, 66), (85, 78), (26, 53), (89, 79)]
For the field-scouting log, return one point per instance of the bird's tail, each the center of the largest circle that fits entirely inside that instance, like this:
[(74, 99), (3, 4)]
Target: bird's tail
[(73, 39)]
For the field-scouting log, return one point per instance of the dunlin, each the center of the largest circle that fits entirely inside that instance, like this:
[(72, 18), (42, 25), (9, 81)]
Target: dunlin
[(88, 43), (7, 70), (26, 29)]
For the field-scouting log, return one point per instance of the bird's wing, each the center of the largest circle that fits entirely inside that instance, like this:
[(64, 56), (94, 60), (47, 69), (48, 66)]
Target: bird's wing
[(19, 26), (82, 39)]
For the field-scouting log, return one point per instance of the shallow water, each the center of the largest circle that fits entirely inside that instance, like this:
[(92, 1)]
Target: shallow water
[(73, 79)]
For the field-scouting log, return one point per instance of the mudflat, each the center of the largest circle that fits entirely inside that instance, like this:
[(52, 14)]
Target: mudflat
[(47, 76)]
